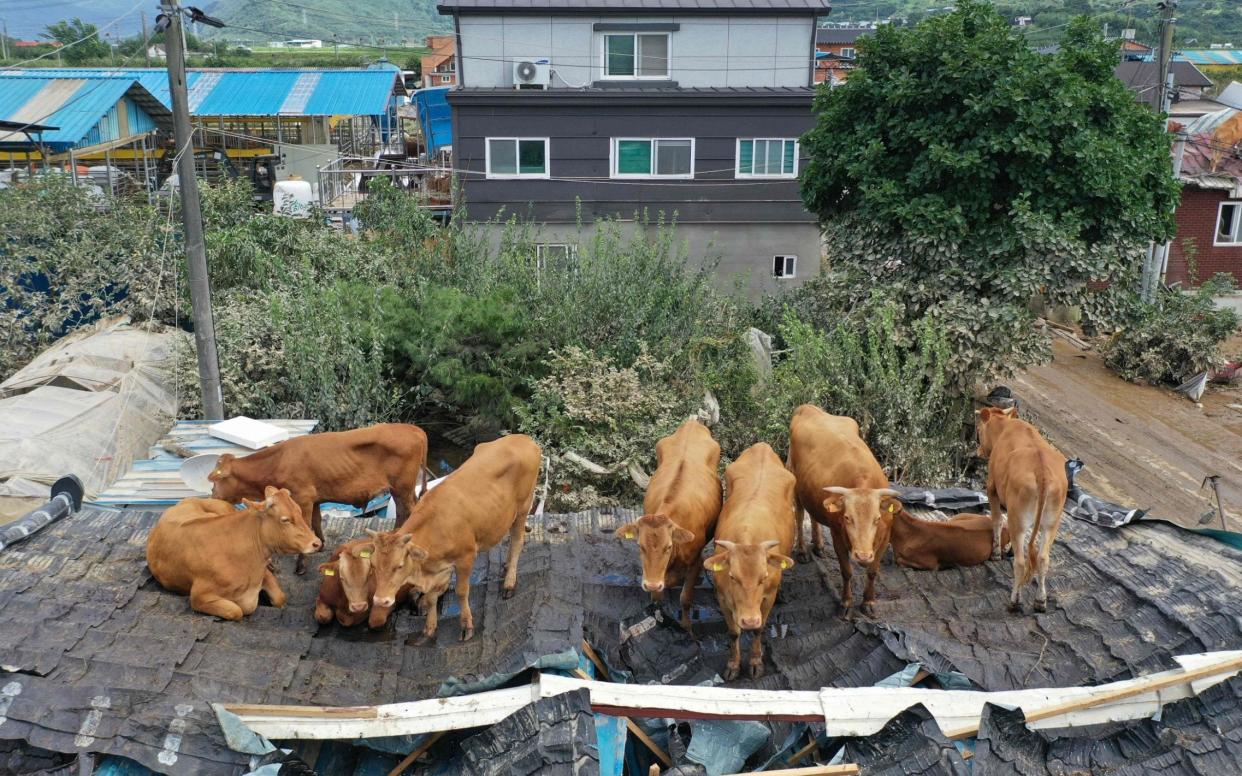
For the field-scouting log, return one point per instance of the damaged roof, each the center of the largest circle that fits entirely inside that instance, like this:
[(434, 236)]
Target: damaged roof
[(97, 657)]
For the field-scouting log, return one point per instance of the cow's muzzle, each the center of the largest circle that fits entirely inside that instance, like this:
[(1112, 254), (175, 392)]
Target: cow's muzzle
[(357, 607), (386, 601), (653, 587), (864, 557), (750, 623)]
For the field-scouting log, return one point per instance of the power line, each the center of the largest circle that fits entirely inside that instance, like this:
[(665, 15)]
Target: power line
[(83, 39)]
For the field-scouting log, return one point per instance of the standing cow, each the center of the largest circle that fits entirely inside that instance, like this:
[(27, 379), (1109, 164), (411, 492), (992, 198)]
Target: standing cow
[(842, 486), (469, 512), (346, 467), (681, 506), (754, 536), (219, 555), (1026, 477)]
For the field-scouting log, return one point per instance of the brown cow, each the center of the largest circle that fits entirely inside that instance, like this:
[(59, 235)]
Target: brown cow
[(931, 545), (1026, 477), (219, 555), (347, 587), (681, 505), (753, 539), (828, 456), (346, 467), (469, 512)]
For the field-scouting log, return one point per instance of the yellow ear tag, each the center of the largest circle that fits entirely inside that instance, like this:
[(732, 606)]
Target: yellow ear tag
[(329, 572), (364, 554), (718, 567), (627, 534), (784, 564), (892, 508)]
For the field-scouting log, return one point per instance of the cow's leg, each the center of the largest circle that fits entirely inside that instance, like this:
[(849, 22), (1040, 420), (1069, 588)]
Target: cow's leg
[(517, 538), (211, 603), (735, 648), (433, 617), (270, 586), (800, 520), (873, 573), (994, 509), (1047, 535), (323, 612), (840, 543), (312, 509), (817, 540), (755, 662), (464, 568), (1019, 528), (687, 592)]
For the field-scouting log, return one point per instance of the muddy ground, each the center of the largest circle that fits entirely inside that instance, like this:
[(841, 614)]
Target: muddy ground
[(1144, 446)]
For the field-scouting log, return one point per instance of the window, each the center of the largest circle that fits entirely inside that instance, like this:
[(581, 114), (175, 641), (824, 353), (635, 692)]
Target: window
[(630, 55), (1229, 224), (652, 158), (767, 158), (784, 266), (517, 157), (847, 52)]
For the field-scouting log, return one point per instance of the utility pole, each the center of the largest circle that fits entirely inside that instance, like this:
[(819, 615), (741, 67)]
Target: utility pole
[(146, 42), (4, 42), (192, 218), (1157, 255)]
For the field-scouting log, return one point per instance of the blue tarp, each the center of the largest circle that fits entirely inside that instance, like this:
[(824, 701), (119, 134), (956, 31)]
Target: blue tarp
[(435, 117)]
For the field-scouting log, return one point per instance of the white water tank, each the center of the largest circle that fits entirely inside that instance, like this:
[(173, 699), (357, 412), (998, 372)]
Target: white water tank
[(293, 198)]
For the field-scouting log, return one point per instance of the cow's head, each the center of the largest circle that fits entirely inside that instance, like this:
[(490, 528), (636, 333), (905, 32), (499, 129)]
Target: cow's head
[(281, 523), (657, 535), (988, 424), (749, 569), (396, 561), (223, 484), (353, 568), (862, 511)]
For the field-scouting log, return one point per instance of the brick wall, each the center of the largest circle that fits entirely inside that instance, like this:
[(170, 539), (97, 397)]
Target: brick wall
[(834, 67), (1196, 226)]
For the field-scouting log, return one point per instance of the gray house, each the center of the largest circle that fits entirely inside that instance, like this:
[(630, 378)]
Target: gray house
[(571, 111)]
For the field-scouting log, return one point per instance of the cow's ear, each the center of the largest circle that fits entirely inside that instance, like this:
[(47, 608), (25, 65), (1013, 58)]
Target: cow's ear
[(682, 535), (781, 562), (416, 552), (259, 505), (717, 562), (890, 505), (1010, 412), (328, 569), (270, 491), (628, 531), (363, 551), (834, 502)]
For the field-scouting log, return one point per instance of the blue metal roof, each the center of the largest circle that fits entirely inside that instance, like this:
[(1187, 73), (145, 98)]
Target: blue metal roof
[(82, 109), (307, 92), (1211, 56), (435, 116)]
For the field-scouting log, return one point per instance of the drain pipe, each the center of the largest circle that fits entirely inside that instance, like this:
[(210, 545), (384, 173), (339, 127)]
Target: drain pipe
[(66, 499)]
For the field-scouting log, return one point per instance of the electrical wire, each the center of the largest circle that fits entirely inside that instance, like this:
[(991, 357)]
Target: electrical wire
[(83, 39)]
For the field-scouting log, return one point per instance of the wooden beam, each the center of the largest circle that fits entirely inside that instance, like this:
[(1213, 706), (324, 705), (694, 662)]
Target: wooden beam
[(595, 659), (804, 751), (417, 753)]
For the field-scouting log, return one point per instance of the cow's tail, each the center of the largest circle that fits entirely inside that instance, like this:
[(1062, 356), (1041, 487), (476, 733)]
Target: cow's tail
[(1032, 544)]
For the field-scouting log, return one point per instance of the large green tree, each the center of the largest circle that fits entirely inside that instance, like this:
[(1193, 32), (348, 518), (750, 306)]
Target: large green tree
[(71, 32), (965, 173)]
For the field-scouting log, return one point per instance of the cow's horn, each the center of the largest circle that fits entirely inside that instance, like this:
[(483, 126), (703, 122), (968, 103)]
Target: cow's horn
[(889, 492), (837, 489)]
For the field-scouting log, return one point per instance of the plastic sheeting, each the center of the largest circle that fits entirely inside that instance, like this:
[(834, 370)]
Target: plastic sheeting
[(1082, 505), (89, 405)]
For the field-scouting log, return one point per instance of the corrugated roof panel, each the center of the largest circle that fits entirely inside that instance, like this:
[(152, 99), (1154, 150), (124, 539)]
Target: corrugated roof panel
[(296, 99), (15, 93), (352, 93), (196, 94), (247, 93), (74, 105)]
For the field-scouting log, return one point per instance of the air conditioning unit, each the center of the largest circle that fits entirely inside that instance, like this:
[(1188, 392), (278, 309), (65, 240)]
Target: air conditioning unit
[(532, 73)]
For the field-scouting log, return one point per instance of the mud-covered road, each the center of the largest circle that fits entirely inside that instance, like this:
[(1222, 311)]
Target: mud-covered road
[(1144, 446)]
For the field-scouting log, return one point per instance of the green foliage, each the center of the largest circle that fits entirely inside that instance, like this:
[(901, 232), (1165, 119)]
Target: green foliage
[(65, 261), (964, 173), (1175, 338), (610, 413), (84, 36), (465, 358), (393, 215), (892, 383)]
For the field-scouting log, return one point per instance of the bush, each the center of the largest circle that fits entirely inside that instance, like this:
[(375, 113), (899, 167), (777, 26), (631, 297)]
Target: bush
[(1175, 338), (610, 415)]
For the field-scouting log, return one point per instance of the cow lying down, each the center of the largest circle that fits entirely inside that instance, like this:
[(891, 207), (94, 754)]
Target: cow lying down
[(218, 555), (931, 545)]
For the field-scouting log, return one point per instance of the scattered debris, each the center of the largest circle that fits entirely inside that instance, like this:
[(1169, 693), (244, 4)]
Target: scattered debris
[(1194, 387)]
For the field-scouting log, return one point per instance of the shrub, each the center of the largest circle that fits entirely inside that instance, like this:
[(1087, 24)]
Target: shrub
[(1175, 338), (609, 414)]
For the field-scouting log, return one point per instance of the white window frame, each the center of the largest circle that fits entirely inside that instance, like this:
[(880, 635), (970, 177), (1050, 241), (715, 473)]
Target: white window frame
[(547, 160), (1236, 229), (846, 51), (737, 157), (790, 263), (613, 158), (603, 58), (541, 261)]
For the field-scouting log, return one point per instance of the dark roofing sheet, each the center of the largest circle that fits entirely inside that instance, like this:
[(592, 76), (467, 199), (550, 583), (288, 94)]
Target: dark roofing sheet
[(81, 620), (911, 744), (840, 34)]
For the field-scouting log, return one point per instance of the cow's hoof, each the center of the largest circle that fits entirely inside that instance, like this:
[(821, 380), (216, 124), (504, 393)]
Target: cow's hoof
[(467, 634), (756, 670), (1041, 606), (848, 614), (995, 555), (1015, 607), (423, 639), (507, 593), (300, 569), (802, 556), (731, 672), (868, 608), (820, 551)]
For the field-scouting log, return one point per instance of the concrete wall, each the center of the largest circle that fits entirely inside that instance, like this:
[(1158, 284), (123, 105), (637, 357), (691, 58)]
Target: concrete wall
[(1196, 226), (737, 252), (704, 51)]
